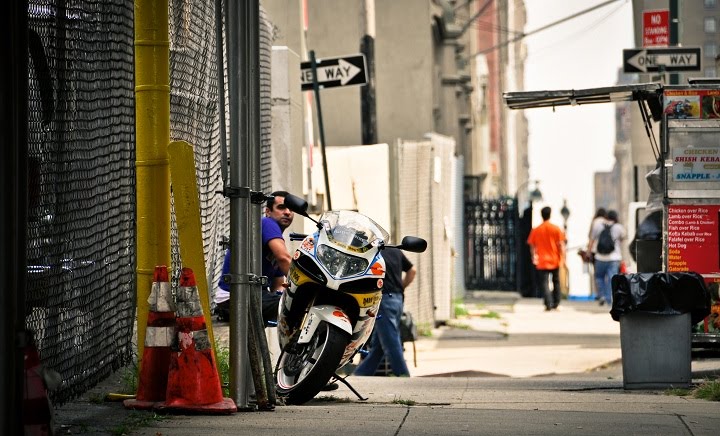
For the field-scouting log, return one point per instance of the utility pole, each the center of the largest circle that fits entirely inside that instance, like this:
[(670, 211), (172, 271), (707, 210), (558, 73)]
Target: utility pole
[(674, 34), (367, 92)]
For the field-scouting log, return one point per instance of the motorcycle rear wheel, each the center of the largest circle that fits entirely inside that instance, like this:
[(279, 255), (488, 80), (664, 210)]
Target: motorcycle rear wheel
[(303, 373)]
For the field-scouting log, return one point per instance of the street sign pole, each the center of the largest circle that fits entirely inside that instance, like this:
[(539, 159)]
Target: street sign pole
[(674, 78), (330, 73), (368, 113), (316, 90)]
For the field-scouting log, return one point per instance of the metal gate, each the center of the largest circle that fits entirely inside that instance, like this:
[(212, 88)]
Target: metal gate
[(491, 249)]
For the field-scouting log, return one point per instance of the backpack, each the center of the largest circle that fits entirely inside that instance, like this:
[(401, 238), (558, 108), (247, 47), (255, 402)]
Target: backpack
[(606, 244)]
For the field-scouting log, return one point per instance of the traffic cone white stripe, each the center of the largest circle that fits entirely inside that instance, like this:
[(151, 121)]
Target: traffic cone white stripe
[(188, 305), (161, 299), (159, 336)]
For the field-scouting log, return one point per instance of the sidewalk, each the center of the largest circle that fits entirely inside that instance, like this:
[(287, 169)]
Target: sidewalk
[(528, 372), (525, 341)]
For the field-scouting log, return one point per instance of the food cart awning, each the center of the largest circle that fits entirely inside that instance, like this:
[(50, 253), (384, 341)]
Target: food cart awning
[(648, 92)]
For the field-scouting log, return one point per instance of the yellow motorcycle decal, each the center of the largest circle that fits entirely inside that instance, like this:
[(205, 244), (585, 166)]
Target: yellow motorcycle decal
[(368, 300)]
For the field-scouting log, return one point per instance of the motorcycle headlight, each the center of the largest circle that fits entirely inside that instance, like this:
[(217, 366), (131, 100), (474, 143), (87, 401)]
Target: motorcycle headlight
[(340, 264)]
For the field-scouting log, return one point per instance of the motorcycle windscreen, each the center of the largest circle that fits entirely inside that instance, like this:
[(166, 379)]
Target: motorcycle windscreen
[(353, 229)]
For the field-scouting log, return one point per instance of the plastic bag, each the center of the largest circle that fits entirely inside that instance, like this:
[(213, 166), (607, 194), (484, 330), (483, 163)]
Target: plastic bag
[(654, 180), (661, 294)]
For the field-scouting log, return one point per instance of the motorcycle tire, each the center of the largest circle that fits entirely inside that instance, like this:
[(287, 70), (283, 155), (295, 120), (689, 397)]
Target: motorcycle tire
[(303, 373)]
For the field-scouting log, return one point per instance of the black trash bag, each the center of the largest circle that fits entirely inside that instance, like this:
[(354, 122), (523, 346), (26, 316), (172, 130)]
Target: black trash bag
[(660, 293)]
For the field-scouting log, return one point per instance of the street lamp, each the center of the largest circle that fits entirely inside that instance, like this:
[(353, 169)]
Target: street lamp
[(564, 272), (565, 212), (535, 194), (531, 195)]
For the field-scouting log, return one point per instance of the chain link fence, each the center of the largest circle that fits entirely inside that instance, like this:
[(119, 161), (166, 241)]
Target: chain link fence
[(82, 204)]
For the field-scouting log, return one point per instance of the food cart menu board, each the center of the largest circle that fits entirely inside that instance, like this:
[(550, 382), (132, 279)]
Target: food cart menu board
[(696, 164), (693, 238)]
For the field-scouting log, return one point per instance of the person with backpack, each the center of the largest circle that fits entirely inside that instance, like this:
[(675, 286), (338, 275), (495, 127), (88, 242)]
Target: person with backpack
[(605, 239), (589, 254)]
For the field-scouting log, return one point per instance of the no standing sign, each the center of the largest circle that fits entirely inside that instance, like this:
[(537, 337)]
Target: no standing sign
[(656, 28)]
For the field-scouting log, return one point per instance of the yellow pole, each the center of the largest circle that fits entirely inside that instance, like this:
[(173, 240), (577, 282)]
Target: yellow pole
[(152, 118), (189, 223)]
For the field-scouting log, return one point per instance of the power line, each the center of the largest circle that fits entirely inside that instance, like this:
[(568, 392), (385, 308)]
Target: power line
[(487, 26), (579, 32), (547, 26), (477, 14)]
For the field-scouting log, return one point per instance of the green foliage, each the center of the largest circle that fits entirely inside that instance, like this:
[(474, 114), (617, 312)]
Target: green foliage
[(424, 329), (223, 363), (460, 309), (708, 390), (678, 392), (129, 379), (404, 402), (461, 326), (491, 314)]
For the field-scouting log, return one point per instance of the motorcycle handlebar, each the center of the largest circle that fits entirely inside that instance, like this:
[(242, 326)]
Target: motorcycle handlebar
[(297, 236)]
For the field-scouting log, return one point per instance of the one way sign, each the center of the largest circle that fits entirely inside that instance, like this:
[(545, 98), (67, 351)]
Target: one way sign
[(670, 59), (342, 71)]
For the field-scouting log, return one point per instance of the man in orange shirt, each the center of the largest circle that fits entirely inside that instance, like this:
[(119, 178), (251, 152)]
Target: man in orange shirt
[(547, 249)]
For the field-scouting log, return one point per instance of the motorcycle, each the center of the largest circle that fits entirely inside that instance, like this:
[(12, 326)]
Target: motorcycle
[(327, 312)]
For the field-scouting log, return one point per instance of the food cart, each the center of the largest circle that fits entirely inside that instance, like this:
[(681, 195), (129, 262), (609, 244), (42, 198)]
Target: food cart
[(688, 153)]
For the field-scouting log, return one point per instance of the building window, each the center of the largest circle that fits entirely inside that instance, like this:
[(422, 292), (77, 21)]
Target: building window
[(710, 4), (710, 25), (710, 50)]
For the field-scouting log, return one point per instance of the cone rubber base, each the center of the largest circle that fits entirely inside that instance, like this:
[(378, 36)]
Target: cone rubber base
[(226, 406)]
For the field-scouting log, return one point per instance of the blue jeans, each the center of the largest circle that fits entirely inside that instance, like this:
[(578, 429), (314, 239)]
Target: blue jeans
[(604, 271), (386, 339)]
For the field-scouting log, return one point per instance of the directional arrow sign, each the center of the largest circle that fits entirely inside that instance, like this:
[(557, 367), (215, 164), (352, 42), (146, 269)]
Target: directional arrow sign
[(662, 59), (342, 71)]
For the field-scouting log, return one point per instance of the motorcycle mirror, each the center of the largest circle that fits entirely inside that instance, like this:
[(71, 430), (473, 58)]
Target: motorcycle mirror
[(296, 204), (413, 244)]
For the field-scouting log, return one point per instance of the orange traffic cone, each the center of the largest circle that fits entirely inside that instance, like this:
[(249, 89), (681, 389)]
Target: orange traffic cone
[(193, 381), (160, 331)]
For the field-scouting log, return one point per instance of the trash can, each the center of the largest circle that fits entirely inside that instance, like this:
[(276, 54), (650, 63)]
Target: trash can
[(656, 312)]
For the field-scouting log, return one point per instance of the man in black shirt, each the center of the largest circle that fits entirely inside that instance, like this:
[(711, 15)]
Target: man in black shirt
[(386, 335)]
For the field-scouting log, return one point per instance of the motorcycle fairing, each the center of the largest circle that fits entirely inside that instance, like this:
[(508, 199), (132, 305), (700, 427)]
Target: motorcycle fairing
[(367, 300), (330, 314), (297, 277)]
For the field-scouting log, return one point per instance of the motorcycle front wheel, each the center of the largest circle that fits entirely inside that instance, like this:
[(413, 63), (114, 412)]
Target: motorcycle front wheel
[(304, 369)]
